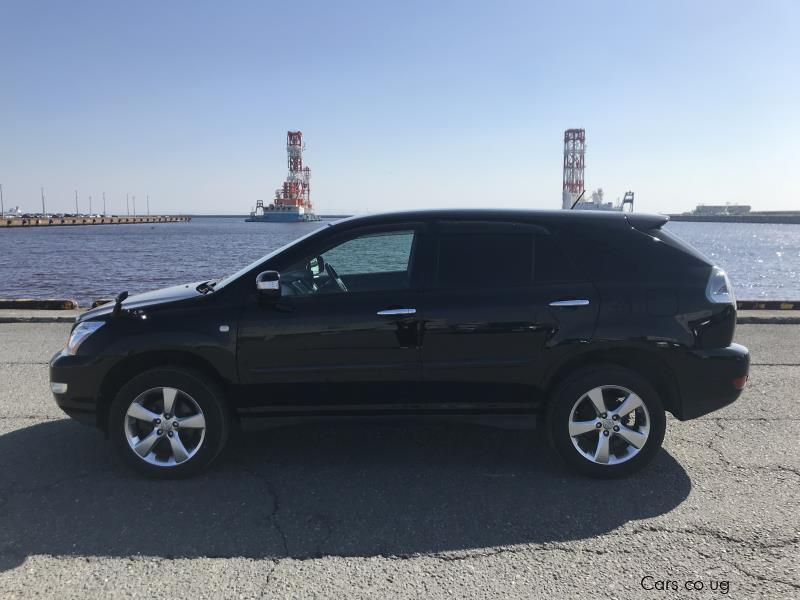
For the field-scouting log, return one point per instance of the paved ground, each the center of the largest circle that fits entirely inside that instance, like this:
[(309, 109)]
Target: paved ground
[(401, 510)]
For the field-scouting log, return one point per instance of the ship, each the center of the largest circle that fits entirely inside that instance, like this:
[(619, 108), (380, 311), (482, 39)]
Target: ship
[(292, 202)]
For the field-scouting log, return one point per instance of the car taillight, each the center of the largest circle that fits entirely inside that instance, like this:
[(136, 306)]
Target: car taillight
[(740, 382), (719, 289)]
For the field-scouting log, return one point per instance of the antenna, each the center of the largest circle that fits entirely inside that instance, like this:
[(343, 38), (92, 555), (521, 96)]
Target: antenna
[(90, 205), (578, 199), (133, 198), (2, 208), (148, 205), (76, 203), (44, 212), (127, 205), (104, 204)]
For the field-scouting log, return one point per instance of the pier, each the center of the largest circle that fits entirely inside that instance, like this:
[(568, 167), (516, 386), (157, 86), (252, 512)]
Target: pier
[(50, 221)]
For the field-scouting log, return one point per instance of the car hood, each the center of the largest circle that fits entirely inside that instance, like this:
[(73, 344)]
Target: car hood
[(147, 299)]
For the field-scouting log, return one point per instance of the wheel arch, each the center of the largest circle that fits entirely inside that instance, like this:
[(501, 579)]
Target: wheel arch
[(645, 362), (138, 363)]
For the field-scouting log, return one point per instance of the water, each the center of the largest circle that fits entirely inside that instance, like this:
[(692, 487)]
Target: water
[(88, 262), (763, 261)]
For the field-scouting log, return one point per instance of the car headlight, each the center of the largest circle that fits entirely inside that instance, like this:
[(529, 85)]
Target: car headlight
[(80, 333)]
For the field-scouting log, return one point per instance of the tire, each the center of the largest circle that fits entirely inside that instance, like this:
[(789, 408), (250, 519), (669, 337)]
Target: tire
[(165, 450), (576, 427)]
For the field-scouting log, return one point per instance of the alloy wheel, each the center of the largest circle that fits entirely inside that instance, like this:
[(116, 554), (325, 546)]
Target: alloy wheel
[(609, 425), (165, 426)]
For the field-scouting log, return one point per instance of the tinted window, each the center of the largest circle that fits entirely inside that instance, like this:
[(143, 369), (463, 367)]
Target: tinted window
[(485, 260), (551, 262)]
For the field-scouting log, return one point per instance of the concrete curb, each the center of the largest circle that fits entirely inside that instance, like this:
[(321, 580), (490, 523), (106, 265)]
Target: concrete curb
[(38, 304), (755, 320)]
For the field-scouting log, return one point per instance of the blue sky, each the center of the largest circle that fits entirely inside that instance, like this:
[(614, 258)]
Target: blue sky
[(403, 104)]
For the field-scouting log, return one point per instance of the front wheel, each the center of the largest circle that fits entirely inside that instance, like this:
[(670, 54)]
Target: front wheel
[(606, 421), (169, 422)]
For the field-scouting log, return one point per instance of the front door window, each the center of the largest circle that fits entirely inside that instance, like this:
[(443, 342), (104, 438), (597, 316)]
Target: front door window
[(369, 262)]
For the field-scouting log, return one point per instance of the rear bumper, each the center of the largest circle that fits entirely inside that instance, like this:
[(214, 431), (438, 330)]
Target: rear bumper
[(79, 373), (710, 379)]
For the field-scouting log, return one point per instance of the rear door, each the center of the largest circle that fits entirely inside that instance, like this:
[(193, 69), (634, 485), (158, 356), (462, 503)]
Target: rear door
[(501, 298)]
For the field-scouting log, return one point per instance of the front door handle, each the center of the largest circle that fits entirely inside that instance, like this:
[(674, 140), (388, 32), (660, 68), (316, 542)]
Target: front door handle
[(397, 312), (570, 303)]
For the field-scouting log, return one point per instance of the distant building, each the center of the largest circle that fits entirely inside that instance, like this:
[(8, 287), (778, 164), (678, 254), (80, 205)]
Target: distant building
[(721, 209)]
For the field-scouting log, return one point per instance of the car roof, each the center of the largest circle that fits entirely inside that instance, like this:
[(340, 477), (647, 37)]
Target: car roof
[(588, 217)]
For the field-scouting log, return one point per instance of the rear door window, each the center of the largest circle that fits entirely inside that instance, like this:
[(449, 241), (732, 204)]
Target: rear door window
[(480, 260)]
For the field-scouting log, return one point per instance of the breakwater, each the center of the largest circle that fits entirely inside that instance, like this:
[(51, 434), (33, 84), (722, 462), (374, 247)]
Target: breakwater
[(93, 220), (788, 218)]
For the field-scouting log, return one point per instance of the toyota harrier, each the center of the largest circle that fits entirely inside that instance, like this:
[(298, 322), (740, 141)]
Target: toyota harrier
[(591, 324)]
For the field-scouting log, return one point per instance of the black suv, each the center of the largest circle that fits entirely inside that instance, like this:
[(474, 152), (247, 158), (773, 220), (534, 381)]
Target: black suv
[(595, 323)]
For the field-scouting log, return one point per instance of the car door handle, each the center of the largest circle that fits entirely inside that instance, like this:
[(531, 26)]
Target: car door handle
[(570, 303), (397, 312)]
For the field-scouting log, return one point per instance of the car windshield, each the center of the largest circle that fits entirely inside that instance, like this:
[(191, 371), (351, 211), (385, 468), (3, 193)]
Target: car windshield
[(223, 281)]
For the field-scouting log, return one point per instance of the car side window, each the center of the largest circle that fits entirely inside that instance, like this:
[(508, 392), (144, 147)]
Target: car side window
[(368, 262), (475, 260), (551, 262)]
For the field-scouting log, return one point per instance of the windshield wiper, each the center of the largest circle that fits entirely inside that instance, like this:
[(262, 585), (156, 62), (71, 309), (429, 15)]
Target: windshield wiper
[(206, 286)]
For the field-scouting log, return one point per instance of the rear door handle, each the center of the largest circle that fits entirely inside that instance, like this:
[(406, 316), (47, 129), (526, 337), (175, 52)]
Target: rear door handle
[(570, 303), (397, 312)]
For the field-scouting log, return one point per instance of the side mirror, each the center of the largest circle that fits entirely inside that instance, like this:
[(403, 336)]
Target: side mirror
[(268, 284)]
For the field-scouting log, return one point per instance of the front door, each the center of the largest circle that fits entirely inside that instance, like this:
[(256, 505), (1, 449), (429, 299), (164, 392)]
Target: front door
[(345, 331)]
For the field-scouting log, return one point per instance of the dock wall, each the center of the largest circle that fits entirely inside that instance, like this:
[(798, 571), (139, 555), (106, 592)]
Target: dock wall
[(107, 220)]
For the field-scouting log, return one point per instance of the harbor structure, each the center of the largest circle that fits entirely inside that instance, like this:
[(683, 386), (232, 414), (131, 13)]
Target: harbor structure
[(35, 220), (574, 165), (292, 202), (573, 190), (737, 213)]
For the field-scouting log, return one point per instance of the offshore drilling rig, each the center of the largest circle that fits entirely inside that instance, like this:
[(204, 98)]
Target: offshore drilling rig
[(292, 202), (572, 195)]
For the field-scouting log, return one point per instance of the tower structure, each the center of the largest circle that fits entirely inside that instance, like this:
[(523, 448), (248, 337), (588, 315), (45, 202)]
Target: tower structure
[(574, 164), (296, 190)]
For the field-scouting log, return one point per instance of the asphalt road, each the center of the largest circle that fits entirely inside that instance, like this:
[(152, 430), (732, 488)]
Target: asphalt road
[(406, 509)]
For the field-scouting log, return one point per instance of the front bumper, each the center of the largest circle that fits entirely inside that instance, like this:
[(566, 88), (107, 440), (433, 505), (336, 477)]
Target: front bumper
[(82, 377), (710, 379)]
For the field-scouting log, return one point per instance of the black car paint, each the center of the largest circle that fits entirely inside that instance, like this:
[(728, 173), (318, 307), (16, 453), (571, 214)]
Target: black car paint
[(471, 352)]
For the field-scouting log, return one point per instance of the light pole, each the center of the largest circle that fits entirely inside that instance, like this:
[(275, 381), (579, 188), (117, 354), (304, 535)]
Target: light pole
[(90, 206), (127, 205), (134, 205), (76, 203), (44, 212), (2, 208), (104, 204), (148, 205)]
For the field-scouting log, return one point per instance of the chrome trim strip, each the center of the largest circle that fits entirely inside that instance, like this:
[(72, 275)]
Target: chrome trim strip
[(570, 303), (394, 312)]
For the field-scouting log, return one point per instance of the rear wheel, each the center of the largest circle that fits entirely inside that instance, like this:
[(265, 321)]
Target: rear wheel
[(606, 421), (169, 422)]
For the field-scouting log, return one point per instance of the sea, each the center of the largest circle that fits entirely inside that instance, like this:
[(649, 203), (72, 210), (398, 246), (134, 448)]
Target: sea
[(99, 261)]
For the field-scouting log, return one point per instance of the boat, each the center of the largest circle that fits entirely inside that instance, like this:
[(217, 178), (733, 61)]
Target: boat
[(292, 202), (280, 213)]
